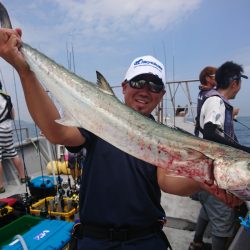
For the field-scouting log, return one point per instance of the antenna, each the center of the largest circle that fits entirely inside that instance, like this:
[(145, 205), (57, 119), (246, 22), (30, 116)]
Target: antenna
[(70, 57), (73, 57)]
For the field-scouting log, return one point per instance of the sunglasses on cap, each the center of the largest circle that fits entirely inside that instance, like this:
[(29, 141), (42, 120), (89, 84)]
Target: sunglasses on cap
[(238, 77), (155, 87)]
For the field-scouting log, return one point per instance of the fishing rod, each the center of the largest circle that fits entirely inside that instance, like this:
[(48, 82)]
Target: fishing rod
[(241, 123), (229, 137)]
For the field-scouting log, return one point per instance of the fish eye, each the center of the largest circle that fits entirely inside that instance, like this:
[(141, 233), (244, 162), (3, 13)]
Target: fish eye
[(248, 166)]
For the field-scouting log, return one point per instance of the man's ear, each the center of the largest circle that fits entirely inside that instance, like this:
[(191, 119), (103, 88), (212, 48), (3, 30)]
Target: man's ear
[(235, 83), (124, 86)]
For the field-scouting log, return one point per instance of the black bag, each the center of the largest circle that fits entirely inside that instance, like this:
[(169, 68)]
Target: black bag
[(3, 204), (6, 213), (22, 204)]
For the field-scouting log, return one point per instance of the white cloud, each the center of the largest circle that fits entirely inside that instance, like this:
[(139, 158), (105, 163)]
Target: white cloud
[(95, 23), (109, 16)]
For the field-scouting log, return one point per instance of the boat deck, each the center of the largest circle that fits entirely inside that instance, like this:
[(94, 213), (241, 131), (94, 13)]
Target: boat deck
[(181, 212)]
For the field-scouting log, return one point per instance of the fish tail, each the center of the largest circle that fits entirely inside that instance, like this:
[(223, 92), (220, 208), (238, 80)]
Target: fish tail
[(4, 17)]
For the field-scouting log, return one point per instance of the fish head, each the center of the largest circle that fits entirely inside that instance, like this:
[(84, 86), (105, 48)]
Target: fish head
[(232, 174)]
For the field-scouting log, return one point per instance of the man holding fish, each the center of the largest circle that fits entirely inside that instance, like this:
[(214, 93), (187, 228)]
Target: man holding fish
[(120, 194)]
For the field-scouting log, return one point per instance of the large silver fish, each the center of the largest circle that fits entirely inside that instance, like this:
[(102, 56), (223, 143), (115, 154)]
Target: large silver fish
[(95, 108)]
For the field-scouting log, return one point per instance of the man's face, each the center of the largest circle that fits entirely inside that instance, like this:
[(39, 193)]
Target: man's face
[(211, 82), (235, 88), (142, 100)]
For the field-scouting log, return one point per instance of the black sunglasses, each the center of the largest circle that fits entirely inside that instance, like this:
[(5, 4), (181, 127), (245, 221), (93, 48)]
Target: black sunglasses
[(152, 86)]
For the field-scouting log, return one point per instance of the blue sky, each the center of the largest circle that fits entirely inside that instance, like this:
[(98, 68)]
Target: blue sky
[(186, 35)]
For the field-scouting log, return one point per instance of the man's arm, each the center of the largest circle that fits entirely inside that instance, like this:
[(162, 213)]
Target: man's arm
[(176, 184), (213, 126), (41, 108), (210, 132)]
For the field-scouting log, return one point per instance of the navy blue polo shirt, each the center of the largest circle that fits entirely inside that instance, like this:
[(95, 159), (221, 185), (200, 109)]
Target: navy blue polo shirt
[(117, 189)]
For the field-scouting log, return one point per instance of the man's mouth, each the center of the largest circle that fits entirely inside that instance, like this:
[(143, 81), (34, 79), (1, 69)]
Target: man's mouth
[(142, 101)]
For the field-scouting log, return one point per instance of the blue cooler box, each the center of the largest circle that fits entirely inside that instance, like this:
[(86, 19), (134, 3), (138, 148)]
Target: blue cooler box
[(47, 234), (42, 186)]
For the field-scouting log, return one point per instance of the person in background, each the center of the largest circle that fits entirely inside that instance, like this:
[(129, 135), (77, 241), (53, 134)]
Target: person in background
[(7, 149), (216, 123), (207, 82), (120, 195)]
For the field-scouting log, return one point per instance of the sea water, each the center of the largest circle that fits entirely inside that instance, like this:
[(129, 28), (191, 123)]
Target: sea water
[(23, 130), (242, 130)]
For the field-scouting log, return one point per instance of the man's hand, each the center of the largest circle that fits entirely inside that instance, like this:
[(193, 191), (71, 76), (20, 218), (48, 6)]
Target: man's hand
[(10, 44), (235, 112), (228, 198)]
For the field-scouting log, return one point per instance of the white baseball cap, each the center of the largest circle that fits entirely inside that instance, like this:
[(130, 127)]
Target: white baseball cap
[(146, 65)]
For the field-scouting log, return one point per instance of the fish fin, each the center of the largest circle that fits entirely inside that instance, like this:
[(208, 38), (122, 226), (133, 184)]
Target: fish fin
[(103, 84), (67, 121), (194, 154)]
